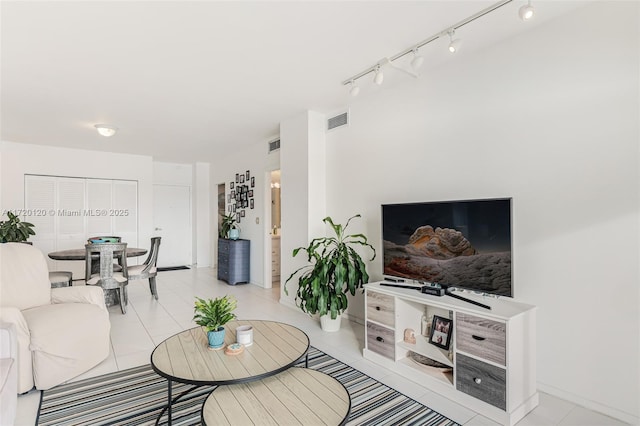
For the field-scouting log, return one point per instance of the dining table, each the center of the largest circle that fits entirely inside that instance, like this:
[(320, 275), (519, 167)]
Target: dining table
[(80, 254), (111, 297)]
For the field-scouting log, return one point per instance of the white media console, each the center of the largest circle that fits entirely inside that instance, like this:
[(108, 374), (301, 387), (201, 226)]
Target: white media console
[(491, 364)]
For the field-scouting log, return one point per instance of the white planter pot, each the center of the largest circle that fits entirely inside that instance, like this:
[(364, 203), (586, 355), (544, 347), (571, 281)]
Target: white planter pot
[(329, 324)]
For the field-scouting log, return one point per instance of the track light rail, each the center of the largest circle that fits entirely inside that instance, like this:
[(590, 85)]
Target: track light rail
[(444, 32)]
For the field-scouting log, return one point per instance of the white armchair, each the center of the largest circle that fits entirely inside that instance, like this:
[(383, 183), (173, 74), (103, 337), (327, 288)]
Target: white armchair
[(61, 332)]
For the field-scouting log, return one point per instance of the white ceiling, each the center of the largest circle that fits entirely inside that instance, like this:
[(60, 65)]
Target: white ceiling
[(186, 81)]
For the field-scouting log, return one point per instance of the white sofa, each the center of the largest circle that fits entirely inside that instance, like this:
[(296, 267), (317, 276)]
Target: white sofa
[(61, 332), (8, 374)]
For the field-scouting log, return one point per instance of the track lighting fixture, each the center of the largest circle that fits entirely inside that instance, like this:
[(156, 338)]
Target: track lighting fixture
[(527, 12), (454, 45), (378, 78), (355, 89), (106, 130), (417, 60)]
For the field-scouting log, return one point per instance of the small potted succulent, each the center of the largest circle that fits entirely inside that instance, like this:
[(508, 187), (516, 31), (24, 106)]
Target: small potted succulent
[(14, 230), (213, 314)]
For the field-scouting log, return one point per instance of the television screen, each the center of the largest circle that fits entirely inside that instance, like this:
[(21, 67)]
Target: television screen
[(463, 244)]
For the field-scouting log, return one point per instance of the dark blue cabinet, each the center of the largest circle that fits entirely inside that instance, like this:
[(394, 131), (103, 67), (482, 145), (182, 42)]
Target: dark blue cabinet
[(233, 261)]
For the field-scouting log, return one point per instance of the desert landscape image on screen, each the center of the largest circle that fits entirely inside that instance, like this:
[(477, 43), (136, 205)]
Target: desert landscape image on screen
[(464, 244)]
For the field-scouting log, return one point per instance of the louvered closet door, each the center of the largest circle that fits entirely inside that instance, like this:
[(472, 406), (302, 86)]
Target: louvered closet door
[(70, 210), (125, 214), (71, 217), (98, 206), (40, 200)]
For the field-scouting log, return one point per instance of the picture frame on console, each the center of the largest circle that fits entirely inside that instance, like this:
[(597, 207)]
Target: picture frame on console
[(441, 330)]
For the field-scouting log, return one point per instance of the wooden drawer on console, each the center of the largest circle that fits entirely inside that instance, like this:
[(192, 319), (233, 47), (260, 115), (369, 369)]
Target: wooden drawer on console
[(381, 340), (481, 337), (380, 308), (483, 381)]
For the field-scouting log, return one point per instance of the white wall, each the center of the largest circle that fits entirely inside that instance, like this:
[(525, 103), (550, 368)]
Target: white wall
[(19, 159), (551, 119), (253, 226)]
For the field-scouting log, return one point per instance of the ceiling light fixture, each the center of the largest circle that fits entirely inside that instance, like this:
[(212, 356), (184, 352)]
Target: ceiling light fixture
[(527, 12), (106, 130), (417, 60), (355, 89), (378, 78), (454, 45)]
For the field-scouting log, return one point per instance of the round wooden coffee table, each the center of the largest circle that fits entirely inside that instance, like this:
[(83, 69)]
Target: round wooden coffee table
[(186, 358), (297, 396)]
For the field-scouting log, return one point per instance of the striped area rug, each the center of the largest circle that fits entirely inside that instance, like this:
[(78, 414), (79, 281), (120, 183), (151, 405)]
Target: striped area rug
[(137, 396)]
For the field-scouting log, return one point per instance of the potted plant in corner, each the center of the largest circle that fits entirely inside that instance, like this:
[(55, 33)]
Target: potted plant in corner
[(335, 269), (229, 227), (14, 230), (213, 314)]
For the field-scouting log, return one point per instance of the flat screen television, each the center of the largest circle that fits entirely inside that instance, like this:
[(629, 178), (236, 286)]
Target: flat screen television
[(462, 244)]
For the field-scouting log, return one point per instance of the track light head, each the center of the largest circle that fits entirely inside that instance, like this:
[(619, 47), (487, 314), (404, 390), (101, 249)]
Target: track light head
[(355, 89), (454, 45), (417, 60), (527, 12), (378, 78)]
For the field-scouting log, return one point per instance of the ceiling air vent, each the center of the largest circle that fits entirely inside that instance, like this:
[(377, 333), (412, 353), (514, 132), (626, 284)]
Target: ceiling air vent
[(338, 120), (274, 145)]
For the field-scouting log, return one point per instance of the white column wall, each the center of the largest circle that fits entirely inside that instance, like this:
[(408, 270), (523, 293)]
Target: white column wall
[(549, 118), (303, 191), (204, 213)]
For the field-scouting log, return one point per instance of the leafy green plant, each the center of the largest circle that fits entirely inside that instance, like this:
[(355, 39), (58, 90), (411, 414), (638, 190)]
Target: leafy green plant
[(14, 230), (335, 268), (228, 222), (214, 313)]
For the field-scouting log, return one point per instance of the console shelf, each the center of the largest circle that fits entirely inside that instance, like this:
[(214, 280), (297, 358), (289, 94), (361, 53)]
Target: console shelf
[(490, 365)]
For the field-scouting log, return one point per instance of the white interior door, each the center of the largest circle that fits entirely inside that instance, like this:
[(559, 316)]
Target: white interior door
[(172, 222)]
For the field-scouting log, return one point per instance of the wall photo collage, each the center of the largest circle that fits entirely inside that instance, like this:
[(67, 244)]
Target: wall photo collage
[(241, 194)]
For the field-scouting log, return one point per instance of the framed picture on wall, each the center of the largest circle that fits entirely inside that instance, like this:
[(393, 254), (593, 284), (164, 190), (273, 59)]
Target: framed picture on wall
[(231, 185), (242, 213), (233, 195), (247, 174), (253, 181), (241, 178), (251, 193), (441, 332), (237, 177), (251, 203)]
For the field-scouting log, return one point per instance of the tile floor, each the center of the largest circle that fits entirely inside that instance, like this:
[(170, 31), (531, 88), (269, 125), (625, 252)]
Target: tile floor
[(148, 322)]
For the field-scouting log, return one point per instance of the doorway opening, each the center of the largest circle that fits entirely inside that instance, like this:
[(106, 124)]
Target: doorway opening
[(221, 212), (275, 227)]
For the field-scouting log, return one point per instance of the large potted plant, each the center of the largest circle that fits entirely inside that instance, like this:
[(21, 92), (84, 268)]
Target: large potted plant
[(229, 227), (335, 268), (14, 230), (213, 314)]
